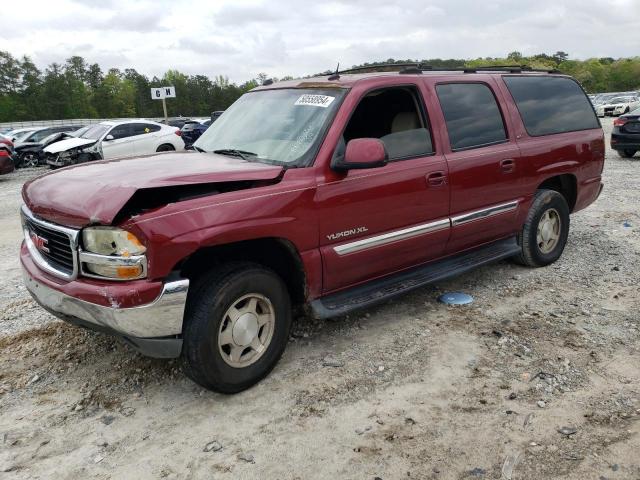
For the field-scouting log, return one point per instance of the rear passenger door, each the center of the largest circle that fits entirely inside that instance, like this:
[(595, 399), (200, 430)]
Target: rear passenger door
[(484, 163), (144, 138)]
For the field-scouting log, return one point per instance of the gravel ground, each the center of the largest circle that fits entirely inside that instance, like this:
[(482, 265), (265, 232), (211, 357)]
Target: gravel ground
[(539, 378)]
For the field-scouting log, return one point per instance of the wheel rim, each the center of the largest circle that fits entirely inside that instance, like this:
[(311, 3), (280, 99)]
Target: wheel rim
[(549, 228), (246, 330), (30, 160)]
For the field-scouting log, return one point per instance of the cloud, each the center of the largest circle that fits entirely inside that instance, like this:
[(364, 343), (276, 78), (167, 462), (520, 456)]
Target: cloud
[(241, 38), (206, 47)]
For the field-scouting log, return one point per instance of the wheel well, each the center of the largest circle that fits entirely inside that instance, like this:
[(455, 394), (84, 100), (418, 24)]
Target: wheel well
[(566, 185), (278, 254)]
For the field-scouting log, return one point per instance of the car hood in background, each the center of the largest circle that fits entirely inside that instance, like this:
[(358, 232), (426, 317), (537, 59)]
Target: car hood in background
[(95, 192), (64, 145)]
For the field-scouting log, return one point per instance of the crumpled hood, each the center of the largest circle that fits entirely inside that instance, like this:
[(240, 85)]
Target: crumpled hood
[(95, 192), (64, 145)]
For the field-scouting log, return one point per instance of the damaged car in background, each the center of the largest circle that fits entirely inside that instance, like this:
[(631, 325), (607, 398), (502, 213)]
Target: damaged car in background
[(114, 139), (617, 106), (31, 154)]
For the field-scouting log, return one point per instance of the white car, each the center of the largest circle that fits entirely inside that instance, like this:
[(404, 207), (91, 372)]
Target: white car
[(115, 139), (617, 106)]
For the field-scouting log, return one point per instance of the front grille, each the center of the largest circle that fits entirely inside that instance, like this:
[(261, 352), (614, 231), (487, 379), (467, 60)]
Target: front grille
[(54, 244)]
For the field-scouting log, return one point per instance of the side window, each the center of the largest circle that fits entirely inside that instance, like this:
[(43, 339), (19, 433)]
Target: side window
[(551, 105), (472, 115), (395, 116), (120, 131), (142, 128)]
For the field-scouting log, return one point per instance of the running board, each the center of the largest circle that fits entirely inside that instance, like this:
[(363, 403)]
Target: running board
[(382, 289)]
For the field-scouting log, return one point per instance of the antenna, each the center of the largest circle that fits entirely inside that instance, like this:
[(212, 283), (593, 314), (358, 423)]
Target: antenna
[(336, 75)]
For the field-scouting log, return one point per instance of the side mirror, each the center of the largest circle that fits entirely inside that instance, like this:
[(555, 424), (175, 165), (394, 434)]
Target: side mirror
[(363, 153), (109, 137)]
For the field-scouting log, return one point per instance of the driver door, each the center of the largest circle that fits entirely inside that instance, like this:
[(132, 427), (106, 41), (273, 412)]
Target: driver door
[(121, 145), (377, 221)]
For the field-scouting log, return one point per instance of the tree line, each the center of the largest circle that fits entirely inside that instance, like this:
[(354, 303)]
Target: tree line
[(78, 89), (597, 75)]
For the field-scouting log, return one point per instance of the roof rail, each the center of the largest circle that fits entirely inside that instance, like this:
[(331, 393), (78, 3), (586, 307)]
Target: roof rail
[(417, 68)]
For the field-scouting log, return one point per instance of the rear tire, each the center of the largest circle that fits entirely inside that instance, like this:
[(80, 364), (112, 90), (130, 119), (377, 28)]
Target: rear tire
[(545, 231), (237, 324), (626, 153), (165, 148)]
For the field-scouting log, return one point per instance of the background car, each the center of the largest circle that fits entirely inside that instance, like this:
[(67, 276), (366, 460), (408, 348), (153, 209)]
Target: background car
[(618, 106), (35, 136), (625, 136), (192, 130), (115, 139), (6, 140), (17, 134), (6, 160), (30, 154)]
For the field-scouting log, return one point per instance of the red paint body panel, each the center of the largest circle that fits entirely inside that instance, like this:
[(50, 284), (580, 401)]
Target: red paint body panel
[(94, 193), (6, 165), (310, 207)]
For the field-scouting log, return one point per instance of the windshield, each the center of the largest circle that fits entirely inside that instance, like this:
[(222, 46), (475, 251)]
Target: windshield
[(50, 137), (79, 132), (95, 132), (273, 126)]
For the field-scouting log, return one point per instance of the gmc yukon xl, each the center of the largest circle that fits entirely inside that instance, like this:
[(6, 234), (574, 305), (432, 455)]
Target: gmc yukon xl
[(328, 194)]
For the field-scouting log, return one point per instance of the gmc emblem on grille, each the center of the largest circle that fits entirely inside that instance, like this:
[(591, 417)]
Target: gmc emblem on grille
[(40, 243)]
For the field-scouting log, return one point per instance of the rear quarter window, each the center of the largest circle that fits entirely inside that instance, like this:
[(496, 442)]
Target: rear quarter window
[(551, 105)]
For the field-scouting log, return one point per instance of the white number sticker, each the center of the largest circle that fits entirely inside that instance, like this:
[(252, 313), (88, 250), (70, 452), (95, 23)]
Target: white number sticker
[(315, 100)]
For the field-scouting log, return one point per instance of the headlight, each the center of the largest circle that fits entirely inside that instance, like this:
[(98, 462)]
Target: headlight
[(111, 241), (112, 253)]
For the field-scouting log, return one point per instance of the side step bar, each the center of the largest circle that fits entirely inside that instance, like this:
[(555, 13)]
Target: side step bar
[(382, 289)]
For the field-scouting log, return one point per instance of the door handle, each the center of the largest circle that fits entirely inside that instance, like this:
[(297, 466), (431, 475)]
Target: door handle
[(436, 179), (507, 165)]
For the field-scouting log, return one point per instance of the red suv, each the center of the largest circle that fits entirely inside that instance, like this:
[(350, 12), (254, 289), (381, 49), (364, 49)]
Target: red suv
[(331, 192)]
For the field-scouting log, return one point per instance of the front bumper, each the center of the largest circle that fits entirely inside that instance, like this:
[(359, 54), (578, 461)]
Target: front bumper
[(154, 328)]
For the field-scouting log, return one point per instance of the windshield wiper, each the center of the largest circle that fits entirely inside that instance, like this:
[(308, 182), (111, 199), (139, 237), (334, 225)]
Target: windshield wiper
[(198, 149), (235, 153)]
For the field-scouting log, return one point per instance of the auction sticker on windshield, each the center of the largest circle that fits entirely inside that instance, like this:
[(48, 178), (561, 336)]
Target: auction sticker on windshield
[(315, 100)]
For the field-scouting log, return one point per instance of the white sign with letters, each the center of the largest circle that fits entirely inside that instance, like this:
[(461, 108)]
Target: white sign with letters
[(163, 92)]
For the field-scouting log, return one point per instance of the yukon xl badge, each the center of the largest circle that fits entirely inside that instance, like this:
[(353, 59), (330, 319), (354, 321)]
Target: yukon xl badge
[(347, 233)]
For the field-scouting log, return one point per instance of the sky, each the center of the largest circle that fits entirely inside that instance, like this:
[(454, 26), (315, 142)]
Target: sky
[(241, 38)]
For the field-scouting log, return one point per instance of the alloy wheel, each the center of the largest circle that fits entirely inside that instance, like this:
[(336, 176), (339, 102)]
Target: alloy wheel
[(246, 330), (549, 228)]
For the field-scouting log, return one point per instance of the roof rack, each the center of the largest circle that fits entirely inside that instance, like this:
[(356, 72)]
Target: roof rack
[(418, 68)]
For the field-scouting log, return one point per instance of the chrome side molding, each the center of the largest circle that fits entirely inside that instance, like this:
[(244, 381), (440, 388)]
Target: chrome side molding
[(484, 213), (385, 238), (445, 223)]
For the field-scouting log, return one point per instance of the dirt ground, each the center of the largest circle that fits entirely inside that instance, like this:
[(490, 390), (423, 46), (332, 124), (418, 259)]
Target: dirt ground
[(539, 378)]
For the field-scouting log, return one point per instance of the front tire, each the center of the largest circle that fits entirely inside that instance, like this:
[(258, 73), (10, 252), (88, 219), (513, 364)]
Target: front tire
[(237, 324), (545, 231), (626, 153)]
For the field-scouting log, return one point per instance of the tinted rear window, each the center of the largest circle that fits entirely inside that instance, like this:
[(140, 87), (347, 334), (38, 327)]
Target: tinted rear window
[(472, 115), (551, 105)]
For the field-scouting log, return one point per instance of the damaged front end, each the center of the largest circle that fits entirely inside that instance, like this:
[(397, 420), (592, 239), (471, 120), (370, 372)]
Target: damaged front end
[(73, 156)]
